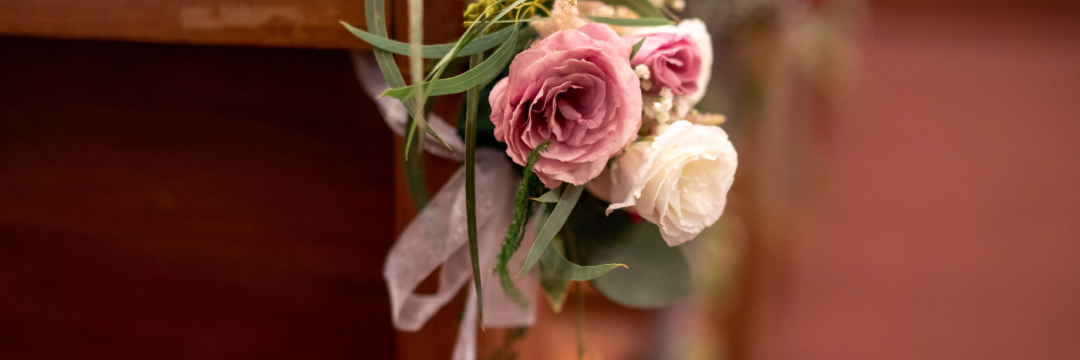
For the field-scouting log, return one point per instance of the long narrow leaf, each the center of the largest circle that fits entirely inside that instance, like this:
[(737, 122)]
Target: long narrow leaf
[(630, 22), (487, 70), (377, 25), (472, 102), (416, 60), (480, 44), (553, 224), (554, 287), (484, 24), (643, 8), (550, 196), (414, 171), (470, 33), (376, 20), (559, 266)]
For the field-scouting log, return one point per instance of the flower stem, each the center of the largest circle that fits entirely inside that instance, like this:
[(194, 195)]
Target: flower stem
[(473, 98), (571, 249), (580, 321)]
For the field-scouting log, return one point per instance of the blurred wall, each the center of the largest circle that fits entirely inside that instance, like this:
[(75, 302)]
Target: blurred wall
[(948, 225)]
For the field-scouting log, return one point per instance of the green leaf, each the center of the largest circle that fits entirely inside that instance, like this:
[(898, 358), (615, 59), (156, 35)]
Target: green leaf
[(377, 24), (657, 275), (554, 288), (376, 20), (470, 186), (470, 33), (550, 196), (631, 22), (476, 76), (562, 268), (643, 8), (432, 51), (485, 129), (553, 224), (637, 47), (414, 171), (416, 61)]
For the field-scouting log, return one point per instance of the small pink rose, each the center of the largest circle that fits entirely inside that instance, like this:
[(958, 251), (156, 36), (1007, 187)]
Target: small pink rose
[(673, 58), (575, 89)]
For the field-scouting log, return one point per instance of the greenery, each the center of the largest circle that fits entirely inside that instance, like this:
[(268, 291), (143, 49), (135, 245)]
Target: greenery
[(570, 221)]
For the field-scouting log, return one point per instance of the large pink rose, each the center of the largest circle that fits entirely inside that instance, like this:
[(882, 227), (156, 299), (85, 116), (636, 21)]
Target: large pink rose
[(575, 88), (673, 59)]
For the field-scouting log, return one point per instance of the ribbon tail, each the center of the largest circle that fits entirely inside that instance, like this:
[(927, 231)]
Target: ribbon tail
[(437, 238), (465, 347)]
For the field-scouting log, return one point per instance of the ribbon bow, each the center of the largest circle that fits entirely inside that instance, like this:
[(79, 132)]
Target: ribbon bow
[(437, 236)]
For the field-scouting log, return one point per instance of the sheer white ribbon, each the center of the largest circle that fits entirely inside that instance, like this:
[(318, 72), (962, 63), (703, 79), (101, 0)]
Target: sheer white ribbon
[(437, 236)]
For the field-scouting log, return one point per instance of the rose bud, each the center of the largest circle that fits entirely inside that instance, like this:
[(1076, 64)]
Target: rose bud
[(678, 57)]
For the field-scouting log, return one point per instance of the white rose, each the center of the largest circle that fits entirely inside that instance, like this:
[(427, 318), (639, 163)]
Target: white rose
[(697, 31), (679, 180)]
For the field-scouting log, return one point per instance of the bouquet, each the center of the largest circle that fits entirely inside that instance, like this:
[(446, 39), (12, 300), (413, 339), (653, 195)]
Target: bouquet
[(584, 159)]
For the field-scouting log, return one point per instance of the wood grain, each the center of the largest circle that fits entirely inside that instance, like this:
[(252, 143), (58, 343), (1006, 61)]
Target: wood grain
[(287, 23), (167, 202)]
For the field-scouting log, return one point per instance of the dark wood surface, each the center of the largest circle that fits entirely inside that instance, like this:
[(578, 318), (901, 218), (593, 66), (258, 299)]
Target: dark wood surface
[(277, 23), (289, 23), (168, 202)]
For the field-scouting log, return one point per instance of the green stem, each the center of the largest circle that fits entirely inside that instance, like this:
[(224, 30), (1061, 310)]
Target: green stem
[(580, 320), (416, 62), (414, 170), (473, 101), (571, 249)]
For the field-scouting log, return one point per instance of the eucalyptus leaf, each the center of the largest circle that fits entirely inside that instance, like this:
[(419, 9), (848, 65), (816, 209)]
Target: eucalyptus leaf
[(643, 8), (472, 98), (376, 19), (553, 224), (551, 196), (657, 275), (644, 22), (476, 76), (562, 268), (471, 32), (554, 288), (437, 71), (414, 171), (485, 129), (480, 44)]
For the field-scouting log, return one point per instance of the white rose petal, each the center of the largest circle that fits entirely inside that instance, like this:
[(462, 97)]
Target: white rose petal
[(679, 180)]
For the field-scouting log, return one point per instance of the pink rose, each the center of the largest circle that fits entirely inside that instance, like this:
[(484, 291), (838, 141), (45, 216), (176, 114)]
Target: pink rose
[(673, 58), (576, 89)]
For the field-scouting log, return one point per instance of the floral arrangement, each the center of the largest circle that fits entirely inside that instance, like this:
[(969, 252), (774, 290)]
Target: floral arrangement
[(584, 159)]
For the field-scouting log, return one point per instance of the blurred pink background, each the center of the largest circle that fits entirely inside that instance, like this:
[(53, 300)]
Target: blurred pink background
[(948, 225)]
